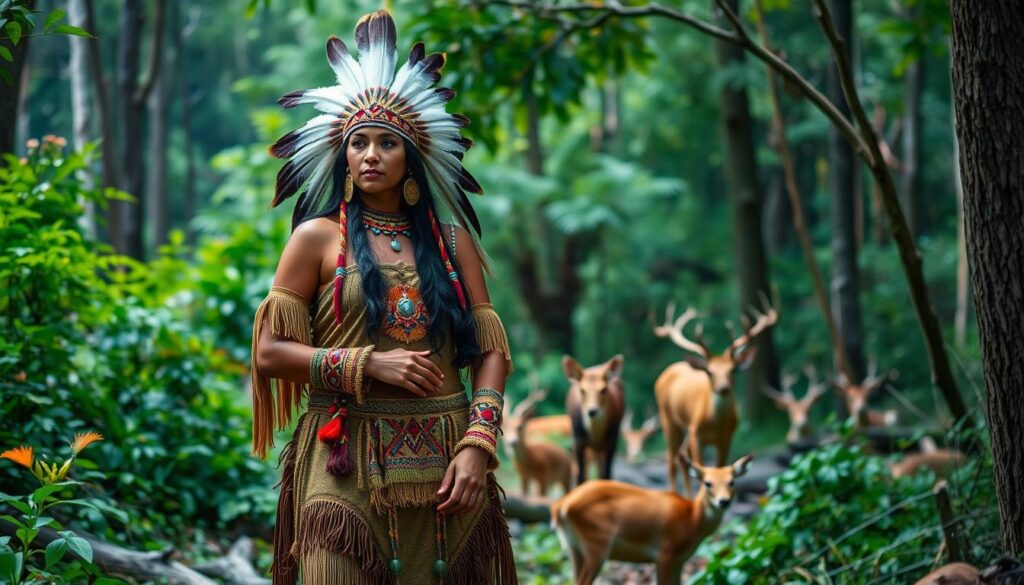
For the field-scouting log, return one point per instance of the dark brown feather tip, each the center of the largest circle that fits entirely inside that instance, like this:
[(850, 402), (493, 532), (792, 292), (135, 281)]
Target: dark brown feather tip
[(433, 63), (416, 54), (470, 213), (289, 179), (336, 50), (464, 142), (285, 146), (292, 99), (374, 26), (460, 120), (469, 183), (446, 94)]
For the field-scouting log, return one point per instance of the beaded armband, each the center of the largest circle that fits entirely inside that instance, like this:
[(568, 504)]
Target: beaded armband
[(484, 424), (340, 369)]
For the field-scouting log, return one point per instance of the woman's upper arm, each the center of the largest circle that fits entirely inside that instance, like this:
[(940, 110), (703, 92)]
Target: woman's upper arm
[(471, 267), (299, 267)]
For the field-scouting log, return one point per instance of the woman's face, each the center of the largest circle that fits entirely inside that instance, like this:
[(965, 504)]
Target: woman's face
[(376, 160)]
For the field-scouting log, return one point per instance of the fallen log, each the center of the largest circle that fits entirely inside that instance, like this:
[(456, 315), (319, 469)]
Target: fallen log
[(527, 510)]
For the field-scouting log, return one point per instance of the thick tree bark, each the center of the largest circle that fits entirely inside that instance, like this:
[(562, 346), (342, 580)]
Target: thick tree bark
[(842, 165), (741, 174), (189, 194), (988, 87), (157, 205), (103, 107), (82, 132)]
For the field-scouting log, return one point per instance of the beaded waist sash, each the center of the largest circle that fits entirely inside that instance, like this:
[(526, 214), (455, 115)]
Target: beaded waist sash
[(402, 447)]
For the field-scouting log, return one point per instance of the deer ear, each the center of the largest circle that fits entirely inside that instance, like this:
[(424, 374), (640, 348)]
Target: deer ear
[(572, 368), (697, 362), (746, 357), (615, 366), (740, 467)]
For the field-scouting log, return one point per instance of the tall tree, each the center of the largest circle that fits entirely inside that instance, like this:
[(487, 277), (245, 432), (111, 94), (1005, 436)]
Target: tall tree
[(741, 174), (842, 168), (910, 180), (78, 69), (157, 207), (988, 87), (16, 45)]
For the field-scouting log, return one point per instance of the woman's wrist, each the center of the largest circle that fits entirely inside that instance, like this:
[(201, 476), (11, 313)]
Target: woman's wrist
[(340, 369), (484, 424)]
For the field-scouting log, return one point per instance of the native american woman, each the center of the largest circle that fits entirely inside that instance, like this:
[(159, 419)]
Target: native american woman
[(378, 328)]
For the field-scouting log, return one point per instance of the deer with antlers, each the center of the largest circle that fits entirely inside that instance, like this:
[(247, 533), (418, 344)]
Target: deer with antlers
[(603, 520), (636, 438), (544, 463), (856, 398), (595, 402), (800, 431), (695, 397)]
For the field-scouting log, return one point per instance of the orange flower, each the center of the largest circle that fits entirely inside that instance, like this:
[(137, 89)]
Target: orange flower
[(20, 455), (83, 440)]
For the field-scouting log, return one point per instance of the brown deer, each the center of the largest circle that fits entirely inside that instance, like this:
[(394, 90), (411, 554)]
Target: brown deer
[(940, 461), (800, 431), (537, 461), (603, 520), (856, 398), (952, 574), (635, 438), (695, 397), (595, 403)]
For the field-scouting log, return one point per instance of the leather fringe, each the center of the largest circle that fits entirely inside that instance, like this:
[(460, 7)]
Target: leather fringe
[(332, 527), (403, 495), (486, 558), (285, 570), (490, 333), (287, 314)]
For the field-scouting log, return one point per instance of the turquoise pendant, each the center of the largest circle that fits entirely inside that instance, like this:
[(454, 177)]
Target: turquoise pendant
[(396, 245), (406, 307), (440, 568)]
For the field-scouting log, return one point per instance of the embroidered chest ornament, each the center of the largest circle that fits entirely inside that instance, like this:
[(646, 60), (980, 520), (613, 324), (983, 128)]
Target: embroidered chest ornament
[(407, 318)]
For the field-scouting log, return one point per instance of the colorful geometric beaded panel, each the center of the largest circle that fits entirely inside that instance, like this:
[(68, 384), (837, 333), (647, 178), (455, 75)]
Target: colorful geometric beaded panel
[(407, 318), (407, 448)]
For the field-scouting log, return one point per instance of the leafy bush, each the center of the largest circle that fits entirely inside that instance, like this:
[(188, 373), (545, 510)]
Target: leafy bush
[(837, 516)]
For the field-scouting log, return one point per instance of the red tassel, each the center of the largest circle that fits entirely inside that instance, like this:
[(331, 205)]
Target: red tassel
[(456, 283), (339, 271), (330, 432)]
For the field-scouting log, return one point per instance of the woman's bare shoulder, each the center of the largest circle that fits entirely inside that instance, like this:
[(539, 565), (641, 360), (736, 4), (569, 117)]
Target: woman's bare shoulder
[(318, 230)]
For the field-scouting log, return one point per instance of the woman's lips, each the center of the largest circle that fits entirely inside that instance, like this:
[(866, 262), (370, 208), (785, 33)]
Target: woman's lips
[(371, 175)]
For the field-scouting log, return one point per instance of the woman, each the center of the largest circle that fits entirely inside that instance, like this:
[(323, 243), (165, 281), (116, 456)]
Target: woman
[(376, 308)]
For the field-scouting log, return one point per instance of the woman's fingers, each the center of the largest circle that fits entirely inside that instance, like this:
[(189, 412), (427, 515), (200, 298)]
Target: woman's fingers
[(434, 381), (452, 504), (411, 386), (426, 363), (422, 383)]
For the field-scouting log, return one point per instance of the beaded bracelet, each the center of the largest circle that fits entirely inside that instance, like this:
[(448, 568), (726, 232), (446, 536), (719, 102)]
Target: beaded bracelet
[(484, 424), (340, 369)]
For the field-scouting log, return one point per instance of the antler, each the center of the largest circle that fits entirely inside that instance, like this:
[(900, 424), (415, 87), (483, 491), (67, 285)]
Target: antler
[(763, 321), (674, 331), (815, 388), (537, 394), (786, 395), (873, 380), (650, 425)]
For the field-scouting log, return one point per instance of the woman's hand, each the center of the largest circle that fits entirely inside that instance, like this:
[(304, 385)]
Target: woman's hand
[(465, 482), (411, 370)]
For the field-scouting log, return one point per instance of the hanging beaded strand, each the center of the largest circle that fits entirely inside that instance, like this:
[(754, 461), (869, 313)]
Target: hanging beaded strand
[(388, 223), (339, 271), (452, 274)]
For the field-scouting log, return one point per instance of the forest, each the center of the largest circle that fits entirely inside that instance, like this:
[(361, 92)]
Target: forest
[(819, 204)]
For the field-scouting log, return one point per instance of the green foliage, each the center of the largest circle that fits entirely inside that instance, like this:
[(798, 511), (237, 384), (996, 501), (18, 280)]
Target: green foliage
[(99, 341), (540, 559), (836, 516), (17, 21)]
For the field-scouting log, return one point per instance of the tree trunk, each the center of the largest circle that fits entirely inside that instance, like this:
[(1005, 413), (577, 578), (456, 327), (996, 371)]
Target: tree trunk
[(741, 175), (988, 87), (80, 110), (103, 109), (156, 192), (182, 32), (845, 270), (911, 178), (963, 282), (10, 95)]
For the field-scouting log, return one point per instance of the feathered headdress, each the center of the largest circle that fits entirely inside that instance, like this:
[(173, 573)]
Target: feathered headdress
[(371, 93)]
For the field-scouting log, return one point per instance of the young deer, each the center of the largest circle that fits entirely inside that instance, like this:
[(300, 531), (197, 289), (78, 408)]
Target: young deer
[(595, 402), (544, 463), (603, 520), (695, 397), (856, 398), (635, 438), (800, 430)]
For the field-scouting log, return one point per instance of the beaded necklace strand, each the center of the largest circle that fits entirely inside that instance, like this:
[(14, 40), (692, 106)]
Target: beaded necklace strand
[(389, 223)]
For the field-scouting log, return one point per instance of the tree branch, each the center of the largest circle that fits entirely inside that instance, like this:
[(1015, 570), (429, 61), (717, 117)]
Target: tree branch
[(155, 55)]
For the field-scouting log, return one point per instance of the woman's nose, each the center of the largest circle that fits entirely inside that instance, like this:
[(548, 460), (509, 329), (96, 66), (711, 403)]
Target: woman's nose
[(371, 153)]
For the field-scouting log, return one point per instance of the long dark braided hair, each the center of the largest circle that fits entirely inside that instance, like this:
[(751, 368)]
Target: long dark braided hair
[(446, 314)]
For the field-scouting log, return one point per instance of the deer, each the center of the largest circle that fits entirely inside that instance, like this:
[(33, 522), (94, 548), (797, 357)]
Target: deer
[(595, 403), (856, 398), (635, 438), (952, 574), (544, 463), (940, 461), (800, 431), (695, 397), (602, 520)]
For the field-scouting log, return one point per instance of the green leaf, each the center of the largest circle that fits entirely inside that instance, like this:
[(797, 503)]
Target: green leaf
[(80, 547), (16, 503), (6, 76), (44, 492), (55, 551), (68, 29), (10, 567), (53, 17), (6, 55), (14, 32), (12, 520), (108, 581), (43, 521)]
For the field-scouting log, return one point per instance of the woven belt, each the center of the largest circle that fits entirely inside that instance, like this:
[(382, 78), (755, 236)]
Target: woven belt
[(380, 406)]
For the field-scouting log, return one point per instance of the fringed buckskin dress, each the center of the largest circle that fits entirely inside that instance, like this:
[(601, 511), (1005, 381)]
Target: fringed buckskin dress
[(349, 530)]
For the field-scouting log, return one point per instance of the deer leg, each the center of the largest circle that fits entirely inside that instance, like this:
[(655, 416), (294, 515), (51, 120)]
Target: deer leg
[(669, 571), (693, 446), (722, 451), (525, 479), (593, 559), (673, 439), (581, 463), (609, 457)]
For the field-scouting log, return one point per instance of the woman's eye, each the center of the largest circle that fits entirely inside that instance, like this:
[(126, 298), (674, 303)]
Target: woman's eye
[(388, 144), (358, 143)]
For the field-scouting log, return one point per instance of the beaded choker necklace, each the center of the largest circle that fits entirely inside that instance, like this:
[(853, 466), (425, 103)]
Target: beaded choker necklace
[(388, 223)]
